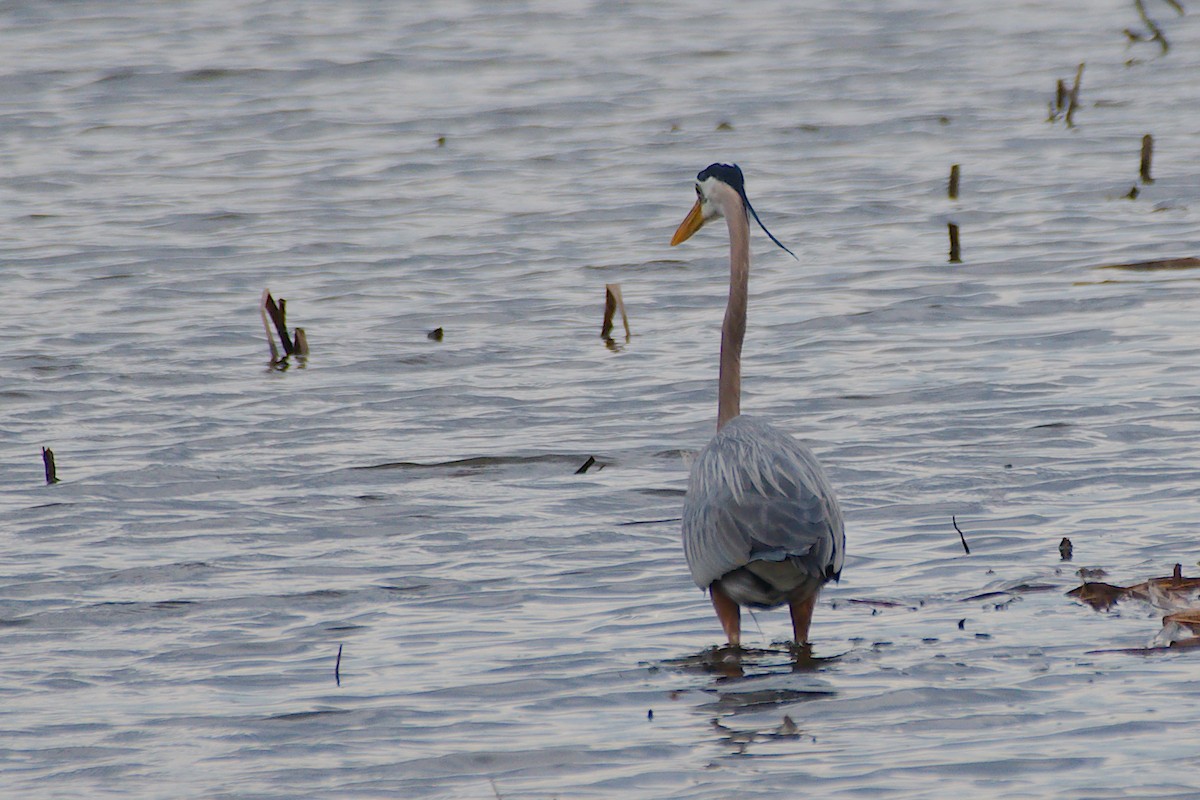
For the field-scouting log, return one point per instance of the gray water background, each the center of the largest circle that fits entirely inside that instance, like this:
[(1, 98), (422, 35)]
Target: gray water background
[(171, 611)]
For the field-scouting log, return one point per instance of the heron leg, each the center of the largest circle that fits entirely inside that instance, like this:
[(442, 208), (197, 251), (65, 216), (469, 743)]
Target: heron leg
[(802, 603), (729, 613)]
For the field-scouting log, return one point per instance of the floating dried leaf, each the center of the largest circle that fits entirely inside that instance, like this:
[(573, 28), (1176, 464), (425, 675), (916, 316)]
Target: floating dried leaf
[(1100, 596)]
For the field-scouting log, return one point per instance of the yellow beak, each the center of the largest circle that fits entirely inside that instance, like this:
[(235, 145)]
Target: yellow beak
[(691, 223)]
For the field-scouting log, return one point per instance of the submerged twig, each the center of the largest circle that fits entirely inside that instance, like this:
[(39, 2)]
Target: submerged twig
[(952, 188), (586, 465), (955, 253), (954, 522), (337, 667)]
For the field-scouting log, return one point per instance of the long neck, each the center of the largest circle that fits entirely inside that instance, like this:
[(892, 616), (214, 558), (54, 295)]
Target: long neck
[(733, 331)]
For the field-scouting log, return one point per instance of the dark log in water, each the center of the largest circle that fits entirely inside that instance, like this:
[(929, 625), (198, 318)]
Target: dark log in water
[(48, 463), (1186, 262)]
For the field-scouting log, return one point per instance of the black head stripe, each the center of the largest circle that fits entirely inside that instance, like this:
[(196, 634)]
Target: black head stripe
[(725, 173), (731, 174)]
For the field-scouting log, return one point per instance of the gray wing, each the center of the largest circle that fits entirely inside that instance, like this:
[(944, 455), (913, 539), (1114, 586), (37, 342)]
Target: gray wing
[(756, 493)]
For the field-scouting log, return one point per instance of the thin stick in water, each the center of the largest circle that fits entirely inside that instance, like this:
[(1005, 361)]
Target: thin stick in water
[(954, 522), (337, 667), (1073, 98), (952, 189), (1147, 154), (48, 463), (586, 465), (955, 254)]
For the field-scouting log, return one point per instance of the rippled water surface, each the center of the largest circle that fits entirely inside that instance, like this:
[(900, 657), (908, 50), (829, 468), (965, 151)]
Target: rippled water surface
[(172, 611)]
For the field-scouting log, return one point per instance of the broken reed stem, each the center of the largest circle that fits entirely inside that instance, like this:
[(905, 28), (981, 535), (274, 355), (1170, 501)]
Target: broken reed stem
[(1060, 98), (1073, 98), (337, 667), (1156, 34), (955, 255), (952, 189), (48, 463), (262, 309), (277, 314), (610, 308), (1147, 154), (613, 302), (954, 522)]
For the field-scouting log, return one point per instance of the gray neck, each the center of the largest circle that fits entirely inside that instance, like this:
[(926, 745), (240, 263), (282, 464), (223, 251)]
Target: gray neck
[(733, 331)]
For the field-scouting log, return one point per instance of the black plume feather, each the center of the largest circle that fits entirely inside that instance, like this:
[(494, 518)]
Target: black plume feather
[(732, 174)]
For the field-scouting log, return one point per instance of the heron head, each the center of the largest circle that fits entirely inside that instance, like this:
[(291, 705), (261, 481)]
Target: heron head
[(711, 182)]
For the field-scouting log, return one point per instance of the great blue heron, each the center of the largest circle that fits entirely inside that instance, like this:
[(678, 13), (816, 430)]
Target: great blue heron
[(761, 524)]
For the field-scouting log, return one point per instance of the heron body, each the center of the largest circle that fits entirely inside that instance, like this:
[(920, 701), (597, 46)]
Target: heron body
[(761, 523)]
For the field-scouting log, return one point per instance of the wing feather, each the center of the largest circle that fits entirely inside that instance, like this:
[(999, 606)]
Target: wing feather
[(756, 493)]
